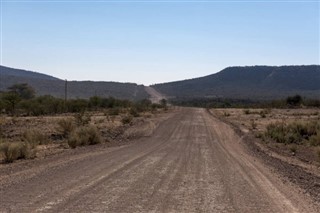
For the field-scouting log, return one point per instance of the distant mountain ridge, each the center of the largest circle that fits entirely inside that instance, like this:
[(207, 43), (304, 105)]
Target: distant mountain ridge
[(250, 82), (48, 85), (7, 71)]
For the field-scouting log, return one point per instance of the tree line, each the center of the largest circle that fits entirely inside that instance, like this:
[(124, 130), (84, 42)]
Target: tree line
[(295, 101), (21, 99)]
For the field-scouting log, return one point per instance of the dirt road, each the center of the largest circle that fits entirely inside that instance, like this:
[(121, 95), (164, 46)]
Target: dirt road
[(192, 163), (155, 96)]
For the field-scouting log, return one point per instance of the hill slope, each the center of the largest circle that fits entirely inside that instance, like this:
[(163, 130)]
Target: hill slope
[(255, 82), (7, 71), (48, 85)]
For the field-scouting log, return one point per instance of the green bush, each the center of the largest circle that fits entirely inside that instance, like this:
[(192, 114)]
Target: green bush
[(42, 105), (77, 105), (294, 133), (83, 136)]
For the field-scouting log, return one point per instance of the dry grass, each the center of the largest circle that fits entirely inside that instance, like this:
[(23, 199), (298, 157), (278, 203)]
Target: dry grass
[(16, 150), (82, 118), (126, 119), (295, 133), (83, 136), (44, 135), (318, 154), (35, 137), (65, 127)]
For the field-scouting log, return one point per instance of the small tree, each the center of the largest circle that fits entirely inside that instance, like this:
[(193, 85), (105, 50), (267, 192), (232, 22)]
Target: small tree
[(294, 100), (23, 90), (11, 99), (95, 102), (163, 103)]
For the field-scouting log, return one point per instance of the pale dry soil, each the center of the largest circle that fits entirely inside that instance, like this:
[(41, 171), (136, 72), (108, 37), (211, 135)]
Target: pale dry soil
[(155, 96), (192, 162)]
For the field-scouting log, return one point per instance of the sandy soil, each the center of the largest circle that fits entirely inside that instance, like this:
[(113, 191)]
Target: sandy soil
[(192, 162)]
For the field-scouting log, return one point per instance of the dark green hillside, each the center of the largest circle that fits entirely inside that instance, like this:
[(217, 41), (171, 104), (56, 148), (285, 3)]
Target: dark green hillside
[(255, 82), (48, 85), (7, 71)]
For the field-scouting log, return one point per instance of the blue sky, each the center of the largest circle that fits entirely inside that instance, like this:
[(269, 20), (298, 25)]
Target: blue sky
[(155, 41)]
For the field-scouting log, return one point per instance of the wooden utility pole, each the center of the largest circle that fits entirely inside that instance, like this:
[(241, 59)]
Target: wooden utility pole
[(65, 94)]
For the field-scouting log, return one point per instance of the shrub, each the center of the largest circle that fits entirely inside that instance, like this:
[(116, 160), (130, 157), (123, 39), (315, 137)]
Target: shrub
[(276, 132), (134, 112), (77, 105), (293, 149), (294, 133), (16, 150), (226, 114), (42, 105), (114, 111), (163, 103), (318, 154), (2, 123), (259, 135), (315, 139), (83, 136), (263, 113), (34, 138), (246, 112), (126, 120), (65, 127), (82, 118), (294, 100), (253, 124)]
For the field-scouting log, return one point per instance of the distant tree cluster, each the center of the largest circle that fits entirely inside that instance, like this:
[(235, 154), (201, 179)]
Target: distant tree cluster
[(294, 100), (20, 99), (289, 102)]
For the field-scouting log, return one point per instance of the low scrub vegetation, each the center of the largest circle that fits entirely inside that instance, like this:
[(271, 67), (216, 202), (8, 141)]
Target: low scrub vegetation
[(295, 101), (83, 136), (20, 99), (78, 125), (127, 119), (82, 118), (295, 133), (34, 138), (65, 127), (318, 154), (12, 151)]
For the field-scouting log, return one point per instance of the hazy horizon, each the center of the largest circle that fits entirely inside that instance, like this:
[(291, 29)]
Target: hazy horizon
[(149, 42)]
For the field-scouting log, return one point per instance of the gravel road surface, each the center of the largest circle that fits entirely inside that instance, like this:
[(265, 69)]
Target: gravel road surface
[(193, 162)]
